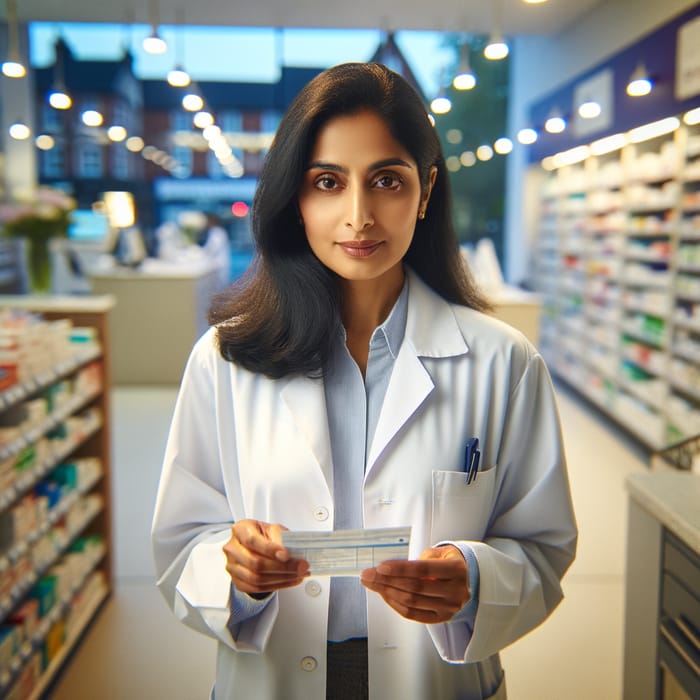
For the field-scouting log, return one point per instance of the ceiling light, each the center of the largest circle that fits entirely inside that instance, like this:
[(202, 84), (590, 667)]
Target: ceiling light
[(640, 83), (178, 77), (465, 78), (503, 146), (441, 105), (535, 2), (19, 131), (555, 124), (59, 99), (692, 117), (484, 152), (203, 119), (13, 67), (608, 144), (496, 49), (572, 156), (91, 117), (651, 131), (527, 136), (590, 109), (154, 43), (134, 144), (45, 142), (467, 159), (192, 102), (116, 133)]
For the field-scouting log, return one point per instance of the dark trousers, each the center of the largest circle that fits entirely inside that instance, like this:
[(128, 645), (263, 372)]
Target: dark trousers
[(347, 670)]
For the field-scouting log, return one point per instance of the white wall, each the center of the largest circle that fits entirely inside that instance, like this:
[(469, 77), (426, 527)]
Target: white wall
[(542, 64)]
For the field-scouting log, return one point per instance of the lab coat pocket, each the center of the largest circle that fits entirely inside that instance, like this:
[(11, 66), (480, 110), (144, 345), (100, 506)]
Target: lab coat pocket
[(461, 511)]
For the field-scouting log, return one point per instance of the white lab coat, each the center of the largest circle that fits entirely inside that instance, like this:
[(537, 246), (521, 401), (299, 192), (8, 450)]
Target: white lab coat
[(245, 446)]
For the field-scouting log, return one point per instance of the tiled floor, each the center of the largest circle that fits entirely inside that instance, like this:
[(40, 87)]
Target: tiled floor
[(136, 650)]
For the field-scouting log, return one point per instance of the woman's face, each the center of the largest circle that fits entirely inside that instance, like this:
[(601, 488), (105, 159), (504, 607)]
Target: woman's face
[(360, 197)]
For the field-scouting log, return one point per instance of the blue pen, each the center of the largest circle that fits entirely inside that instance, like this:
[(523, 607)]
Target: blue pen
[(471, 459)]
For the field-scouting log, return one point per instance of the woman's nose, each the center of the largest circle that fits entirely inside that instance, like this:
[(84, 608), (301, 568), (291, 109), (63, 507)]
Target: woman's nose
[(359, 216)]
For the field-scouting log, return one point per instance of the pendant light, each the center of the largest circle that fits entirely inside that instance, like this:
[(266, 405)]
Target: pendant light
[(178, 76), (465, 78), (497, 48), (640, 83), (59, 97), (13, 66), (154, 43)]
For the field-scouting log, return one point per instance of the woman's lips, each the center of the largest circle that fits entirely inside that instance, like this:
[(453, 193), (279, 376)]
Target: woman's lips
[(360, 249)]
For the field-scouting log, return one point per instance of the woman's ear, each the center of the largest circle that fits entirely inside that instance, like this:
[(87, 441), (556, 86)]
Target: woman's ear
[(425, 196)]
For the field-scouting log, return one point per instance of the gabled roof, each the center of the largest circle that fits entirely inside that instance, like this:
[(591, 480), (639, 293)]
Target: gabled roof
[(389, 53)]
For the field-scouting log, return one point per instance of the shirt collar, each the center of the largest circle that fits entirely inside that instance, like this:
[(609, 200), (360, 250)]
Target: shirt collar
[(394, 327)]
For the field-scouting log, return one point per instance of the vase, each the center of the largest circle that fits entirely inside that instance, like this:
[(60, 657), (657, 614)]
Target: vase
[(39, 265)]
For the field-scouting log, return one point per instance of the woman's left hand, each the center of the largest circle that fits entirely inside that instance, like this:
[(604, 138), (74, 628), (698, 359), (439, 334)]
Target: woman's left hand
[(429, 589)]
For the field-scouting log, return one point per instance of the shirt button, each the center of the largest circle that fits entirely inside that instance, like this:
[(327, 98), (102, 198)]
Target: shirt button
[(308, 663), (312, 588), (321, 513)]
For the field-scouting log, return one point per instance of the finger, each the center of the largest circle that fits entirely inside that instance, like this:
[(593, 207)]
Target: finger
[(255, 537), (427, 610), (249, 581), (417, 570)]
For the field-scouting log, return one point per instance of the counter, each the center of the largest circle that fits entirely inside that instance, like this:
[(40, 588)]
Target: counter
[(157, 319), (659, 503), (519, 309)]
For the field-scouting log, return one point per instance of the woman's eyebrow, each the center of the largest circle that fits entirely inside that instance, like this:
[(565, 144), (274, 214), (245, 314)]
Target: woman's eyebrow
[(333, 167)]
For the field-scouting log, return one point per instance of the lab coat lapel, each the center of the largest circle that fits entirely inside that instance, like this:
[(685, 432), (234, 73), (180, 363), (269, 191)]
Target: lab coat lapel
[(409, 386), (431, 331), (306, 400)]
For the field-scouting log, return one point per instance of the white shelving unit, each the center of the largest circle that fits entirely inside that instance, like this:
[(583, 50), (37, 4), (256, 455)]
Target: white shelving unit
[(55, 556), (617, 263)]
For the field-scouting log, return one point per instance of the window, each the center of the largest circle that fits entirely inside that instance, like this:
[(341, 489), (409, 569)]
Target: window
[(120, 161), (89, 159), (50, 119), (231, 121), (269, 121), (180, 120), (183, 156), (53, 162)]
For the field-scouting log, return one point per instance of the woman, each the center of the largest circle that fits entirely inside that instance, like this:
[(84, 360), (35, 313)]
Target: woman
[(338, 388)]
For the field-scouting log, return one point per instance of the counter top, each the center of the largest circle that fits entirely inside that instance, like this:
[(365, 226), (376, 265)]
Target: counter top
[(58, 303), (673, 498)]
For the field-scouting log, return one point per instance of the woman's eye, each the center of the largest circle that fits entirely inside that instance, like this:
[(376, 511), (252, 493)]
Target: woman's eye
[(326, 182), (388, 181)]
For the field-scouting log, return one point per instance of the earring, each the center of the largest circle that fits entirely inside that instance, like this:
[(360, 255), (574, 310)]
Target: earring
[(421, 214)]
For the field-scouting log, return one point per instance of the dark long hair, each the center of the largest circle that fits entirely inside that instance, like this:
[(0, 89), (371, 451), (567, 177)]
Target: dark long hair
[(281, 316)]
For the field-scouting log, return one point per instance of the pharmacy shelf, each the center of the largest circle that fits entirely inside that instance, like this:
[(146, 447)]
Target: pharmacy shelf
[(76, 429), (621, 283)]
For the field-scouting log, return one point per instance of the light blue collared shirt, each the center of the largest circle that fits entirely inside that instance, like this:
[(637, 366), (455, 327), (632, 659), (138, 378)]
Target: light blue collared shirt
[(353, 404)]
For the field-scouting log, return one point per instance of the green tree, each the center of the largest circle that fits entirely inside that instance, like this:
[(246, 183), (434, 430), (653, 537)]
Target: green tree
[(477, 117)]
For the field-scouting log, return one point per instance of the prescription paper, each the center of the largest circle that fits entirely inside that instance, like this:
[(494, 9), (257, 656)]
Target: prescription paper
[(347, 552)]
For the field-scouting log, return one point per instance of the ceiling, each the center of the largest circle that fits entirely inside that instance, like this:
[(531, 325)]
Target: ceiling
[(472, 16)]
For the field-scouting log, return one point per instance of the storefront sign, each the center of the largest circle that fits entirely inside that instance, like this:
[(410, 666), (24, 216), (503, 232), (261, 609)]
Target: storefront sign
[(688, 60)]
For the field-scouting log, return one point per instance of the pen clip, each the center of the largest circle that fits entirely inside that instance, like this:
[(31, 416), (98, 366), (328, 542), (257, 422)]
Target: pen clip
[(471, 459)]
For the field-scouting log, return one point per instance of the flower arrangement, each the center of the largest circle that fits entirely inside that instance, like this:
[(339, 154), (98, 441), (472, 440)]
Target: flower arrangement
[(38, 216)]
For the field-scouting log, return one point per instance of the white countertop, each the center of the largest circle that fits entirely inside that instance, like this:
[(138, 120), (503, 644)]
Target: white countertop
[(58, 303), (673, 498)]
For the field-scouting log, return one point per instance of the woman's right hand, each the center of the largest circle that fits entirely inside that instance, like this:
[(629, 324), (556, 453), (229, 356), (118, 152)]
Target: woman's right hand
[(258, 562)]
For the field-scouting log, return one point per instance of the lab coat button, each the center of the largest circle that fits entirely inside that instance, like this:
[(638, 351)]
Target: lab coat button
[(321, 513), (308, 663), (313, 588)]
